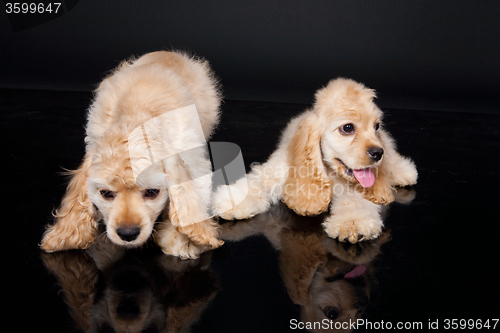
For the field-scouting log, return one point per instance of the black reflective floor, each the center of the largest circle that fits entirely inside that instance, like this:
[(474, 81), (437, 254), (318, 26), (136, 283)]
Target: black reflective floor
[(436, 261)]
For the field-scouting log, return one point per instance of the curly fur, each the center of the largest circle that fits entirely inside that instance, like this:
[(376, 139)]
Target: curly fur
[(312, 168), (304, 152), (139, 91)]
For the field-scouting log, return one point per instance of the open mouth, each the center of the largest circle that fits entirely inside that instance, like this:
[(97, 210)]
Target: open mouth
[(365, 176)]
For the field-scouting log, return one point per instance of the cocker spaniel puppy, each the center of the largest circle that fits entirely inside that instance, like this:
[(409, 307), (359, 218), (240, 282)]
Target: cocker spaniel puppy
[(145, 160), (335, 155)]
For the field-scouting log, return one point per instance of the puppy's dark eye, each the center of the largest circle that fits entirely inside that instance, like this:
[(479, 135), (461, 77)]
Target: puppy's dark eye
[(346, 129), (151, 193), (331, 313), (108, 195), (377, 126)]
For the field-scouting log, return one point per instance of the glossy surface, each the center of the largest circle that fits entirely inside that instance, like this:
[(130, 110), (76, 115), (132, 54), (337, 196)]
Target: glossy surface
[(437, 259)]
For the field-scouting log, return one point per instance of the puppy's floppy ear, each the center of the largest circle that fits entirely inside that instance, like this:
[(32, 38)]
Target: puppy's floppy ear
[(300, 257), (77, 275), (308, 189), (75, 225)]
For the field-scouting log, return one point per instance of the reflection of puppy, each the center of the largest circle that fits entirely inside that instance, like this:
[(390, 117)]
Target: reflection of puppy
[(328, 279), (332, 286), (104, 187), (111, 289), (337, 150)]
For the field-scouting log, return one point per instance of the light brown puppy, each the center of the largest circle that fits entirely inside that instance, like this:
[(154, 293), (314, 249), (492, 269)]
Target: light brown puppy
[(140, 95), (335, 155)]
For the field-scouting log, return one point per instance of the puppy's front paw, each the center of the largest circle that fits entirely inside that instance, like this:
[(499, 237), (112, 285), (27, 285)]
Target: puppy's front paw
[(352, 227), (179, 245), (380, 193), (204, 233)]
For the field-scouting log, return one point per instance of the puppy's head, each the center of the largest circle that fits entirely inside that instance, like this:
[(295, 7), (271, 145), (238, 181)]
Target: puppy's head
[(339, 292), (128, 207), (351, 142)]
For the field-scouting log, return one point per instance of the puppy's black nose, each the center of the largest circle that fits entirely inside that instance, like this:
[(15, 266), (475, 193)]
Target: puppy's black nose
[(361, 302), (375, 153), (128, 233), (128, 308)]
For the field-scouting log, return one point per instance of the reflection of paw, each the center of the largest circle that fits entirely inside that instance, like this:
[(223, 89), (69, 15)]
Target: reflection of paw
[(203, 233), (359, 253), (237, 231), (352, 228), (380, 193), (176, 263), (233, 231)]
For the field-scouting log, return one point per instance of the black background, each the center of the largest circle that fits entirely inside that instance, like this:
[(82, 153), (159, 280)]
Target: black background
[(427, 54), (422, 57)]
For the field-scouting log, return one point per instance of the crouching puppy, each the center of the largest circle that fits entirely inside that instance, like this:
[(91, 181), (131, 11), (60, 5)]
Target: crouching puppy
[(146, 160), (335, 155)]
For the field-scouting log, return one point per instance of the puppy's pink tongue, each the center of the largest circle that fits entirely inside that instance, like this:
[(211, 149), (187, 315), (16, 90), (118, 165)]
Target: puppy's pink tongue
[(357, 271), (365, 177)]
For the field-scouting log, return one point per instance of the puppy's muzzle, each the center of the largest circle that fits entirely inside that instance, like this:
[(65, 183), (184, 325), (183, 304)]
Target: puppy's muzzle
[(375, 153), (128, 233), (128, 308)]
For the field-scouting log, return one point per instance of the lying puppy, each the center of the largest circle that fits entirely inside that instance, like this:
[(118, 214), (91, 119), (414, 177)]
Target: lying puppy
[(145, 157), (338, 153)]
